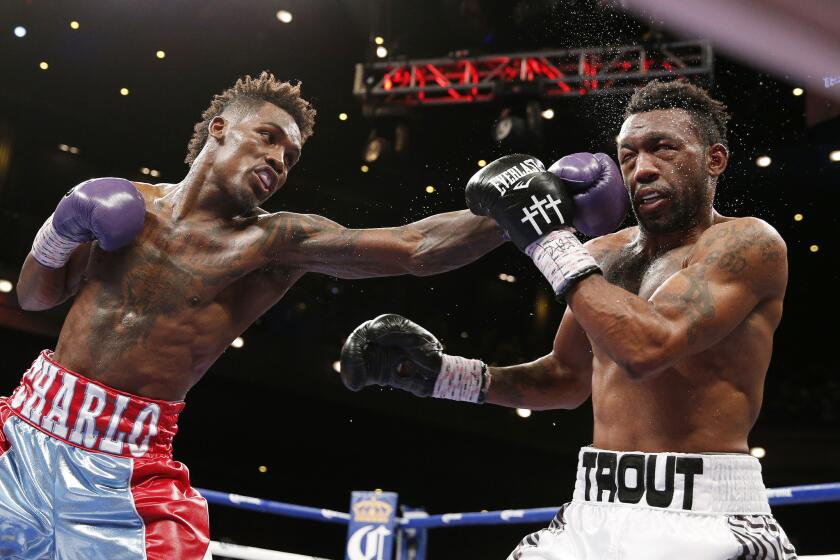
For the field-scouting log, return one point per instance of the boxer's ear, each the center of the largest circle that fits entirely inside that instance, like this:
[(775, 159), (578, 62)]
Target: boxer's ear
[(217, 127), (718, 159)]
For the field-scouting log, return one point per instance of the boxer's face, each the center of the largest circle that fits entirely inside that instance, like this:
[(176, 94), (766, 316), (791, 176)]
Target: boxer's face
[(663, 163), (255, 152)]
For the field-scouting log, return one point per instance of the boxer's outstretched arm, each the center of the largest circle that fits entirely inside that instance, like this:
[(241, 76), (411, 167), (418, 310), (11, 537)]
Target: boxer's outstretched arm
[(40, 287), (561, 379), (430, 246), (736, 266)]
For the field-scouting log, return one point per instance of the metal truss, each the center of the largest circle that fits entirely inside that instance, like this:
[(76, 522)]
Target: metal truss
[(544, 74)]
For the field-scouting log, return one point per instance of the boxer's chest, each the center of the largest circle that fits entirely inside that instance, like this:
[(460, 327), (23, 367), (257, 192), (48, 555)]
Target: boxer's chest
[(640, 274)]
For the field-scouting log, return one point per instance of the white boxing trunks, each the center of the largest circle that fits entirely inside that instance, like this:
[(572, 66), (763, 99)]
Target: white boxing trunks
[(658, 506)]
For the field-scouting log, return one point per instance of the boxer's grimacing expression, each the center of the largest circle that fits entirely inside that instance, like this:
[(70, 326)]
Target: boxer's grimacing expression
[(256, 150), (668, 169)]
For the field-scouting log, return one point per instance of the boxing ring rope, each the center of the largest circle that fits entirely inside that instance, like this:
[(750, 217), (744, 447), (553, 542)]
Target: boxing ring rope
[(788, 495)]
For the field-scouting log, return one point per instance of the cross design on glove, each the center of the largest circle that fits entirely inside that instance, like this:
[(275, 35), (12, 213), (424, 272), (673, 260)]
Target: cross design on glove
[(538, 209)]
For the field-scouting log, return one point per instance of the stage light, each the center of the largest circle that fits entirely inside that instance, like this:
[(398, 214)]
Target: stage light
[(124, 91), (144, 170), (379, 40), (284, 16), (763, 161), (364, 169), (43, 65), (154, 172), (64, 147), (814, 248), (758, 452), (381, 52), (161, 54), (337, 366), (73, 150), (74, 24), (342, 116), (374, 148), (548, 114), (523, 412), (20, 31), (6, 286), (263, 469), (798, 91), (481, 163), (834, 156), (798, 217), (430, 189), (238, 342)]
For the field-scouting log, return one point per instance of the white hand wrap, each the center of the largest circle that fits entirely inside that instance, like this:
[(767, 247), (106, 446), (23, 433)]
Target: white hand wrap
[(50, 248), (562, 259), (461, 379)]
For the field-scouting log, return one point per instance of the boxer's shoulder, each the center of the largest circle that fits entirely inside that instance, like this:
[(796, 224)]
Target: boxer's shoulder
[(742, 236), (607, 247)]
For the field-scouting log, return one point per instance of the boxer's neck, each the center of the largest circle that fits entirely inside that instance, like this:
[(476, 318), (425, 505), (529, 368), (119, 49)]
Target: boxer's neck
[(653, 244)]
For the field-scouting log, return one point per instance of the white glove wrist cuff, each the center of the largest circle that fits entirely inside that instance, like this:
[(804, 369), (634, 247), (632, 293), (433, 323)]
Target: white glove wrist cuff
[(461, 379), (561, 258), (50, 248)]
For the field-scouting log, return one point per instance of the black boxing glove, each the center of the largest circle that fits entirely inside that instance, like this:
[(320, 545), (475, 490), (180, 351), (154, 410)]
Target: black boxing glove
[(392, 351), (525, 200)]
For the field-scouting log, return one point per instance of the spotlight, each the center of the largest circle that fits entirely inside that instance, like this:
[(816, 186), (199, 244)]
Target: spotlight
[(263, 469), (798, 91), (124, 91), (64, 147), (43, 65), (481, 163), (145, 170), (238, 342), (73, 150), (430, 189), (342, 116), (6, 286), (548, 114), (381, 52), (523, 412), (758, 452), (798, 217), (763, 161), (74, 24), (814, 248), (161, 54), (154, 172), (20, 31), (284, 16), (364, 169), (834, 156), (379, 40)]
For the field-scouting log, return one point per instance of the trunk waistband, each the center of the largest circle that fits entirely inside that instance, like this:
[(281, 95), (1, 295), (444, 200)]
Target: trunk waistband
[(93, 416), (699, 483)]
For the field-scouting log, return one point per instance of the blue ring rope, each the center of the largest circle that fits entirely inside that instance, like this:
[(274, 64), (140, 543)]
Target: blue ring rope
[(807, 494)]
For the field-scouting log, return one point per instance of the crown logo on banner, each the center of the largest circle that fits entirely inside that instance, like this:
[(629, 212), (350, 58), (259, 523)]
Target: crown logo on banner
[(372, 511)]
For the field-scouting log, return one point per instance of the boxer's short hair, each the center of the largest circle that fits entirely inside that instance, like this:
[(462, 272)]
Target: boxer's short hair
[(250, 93), (708, 115)]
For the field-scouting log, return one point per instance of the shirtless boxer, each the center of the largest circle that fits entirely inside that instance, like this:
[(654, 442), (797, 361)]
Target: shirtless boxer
[(165, 277), (669, 327)]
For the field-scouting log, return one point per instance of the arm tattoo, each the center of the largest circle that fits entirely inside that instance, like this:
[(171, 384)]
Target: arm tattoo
[(695, 303)]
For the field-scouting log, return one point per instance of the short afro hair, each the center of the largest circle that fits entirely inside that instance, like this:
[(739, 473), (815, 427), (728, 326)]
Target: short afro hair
[(249, 93), (708, 115)]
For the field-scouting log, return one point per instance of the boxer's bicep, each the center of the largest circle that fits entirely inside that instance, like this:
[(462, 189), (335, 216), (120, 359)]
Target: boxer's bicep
[(317, 244), (738, 266)]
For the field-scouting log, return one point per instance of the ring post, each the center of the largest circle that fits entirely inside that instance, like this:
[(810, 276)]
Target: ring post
[(411, 542), (373, 521)]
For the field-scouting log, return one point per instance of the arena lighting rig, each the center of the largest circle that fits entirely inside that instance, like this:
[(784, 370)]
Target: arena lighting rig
[(543, 74)]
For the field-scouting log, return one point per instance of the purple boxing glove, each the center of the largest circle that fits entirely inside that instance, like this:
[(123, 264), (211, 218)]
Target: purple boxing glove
[(108, 210), (601, 200)]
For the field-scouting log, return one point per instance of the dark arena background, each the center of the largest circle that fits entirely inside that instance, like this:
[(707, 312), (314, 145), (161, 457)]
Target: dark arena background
[(93, 88)]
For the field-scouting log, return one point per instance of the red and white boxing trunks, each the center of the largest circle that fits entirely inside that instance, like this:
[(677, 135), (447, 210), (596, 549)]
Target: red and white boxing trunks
[(86, 472), (662, 506)]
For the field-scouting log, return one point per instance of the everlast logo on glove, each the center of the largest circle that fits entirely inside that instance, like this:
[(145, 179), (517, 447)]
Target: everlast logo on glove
[(631, 478), (504, 180)]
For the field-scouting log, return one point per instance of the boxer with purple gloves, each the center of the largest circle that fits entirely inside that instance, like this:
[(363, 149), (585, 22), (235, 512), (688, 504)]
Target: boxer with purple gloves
[(668, 328)]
